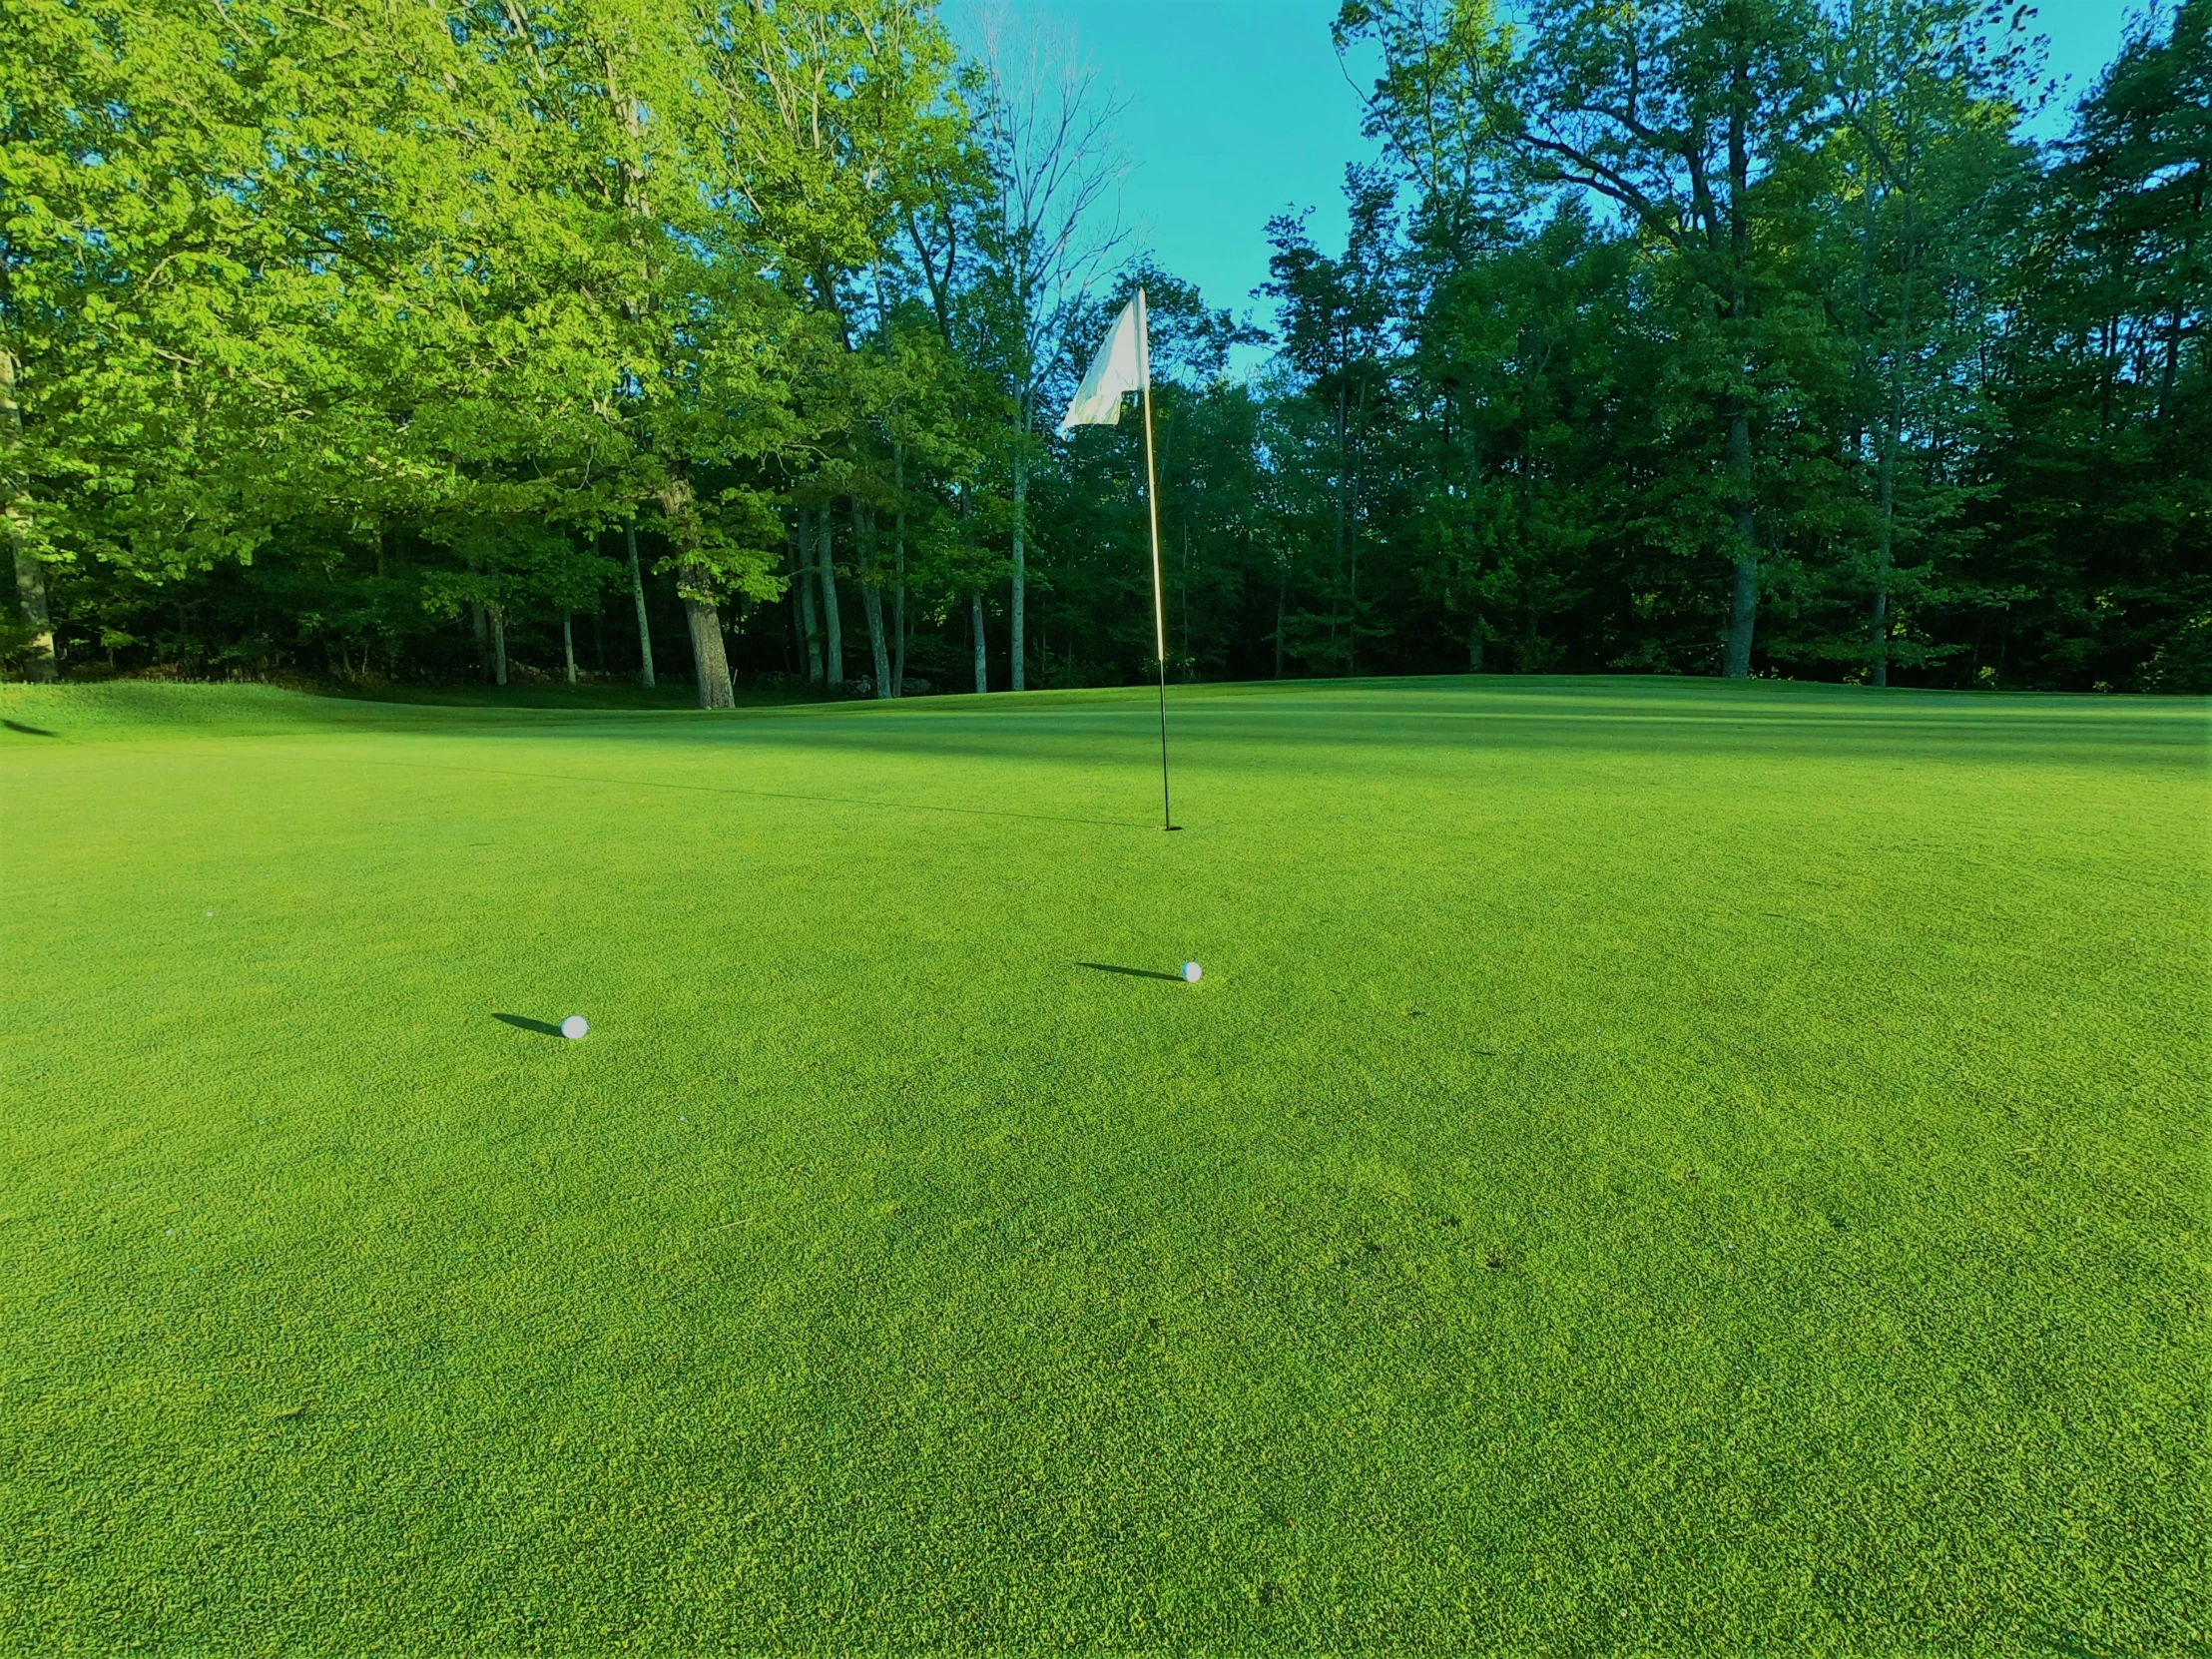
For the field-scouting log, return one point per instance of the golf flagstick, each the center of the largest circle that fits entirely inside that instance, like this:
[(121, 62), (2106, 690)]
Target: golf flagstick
[(1123, 365), (1159, 592)]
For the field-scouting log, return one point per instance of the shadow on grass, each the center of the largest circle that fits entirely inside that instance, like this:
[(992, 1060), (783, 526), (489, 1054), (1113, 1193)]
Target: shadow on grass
[(2076, 1646), (1108, 967), (769, 794), (522, 1022), (2072, 1646), (27, 730)]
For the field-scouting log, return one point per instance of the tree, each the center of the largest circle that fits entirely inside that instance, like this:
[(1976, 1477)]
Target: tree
[(1046, 132), (167, 278), (2093, 566), (1924, 158), (334, 341), (840, 112), (1334, 320), (1692, 120)]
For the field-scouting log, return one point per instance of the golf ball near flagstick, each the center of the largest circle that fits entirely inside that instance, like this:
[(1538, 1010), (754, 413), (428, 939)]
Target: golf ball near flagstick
[(574, 1026), (1191, 972)]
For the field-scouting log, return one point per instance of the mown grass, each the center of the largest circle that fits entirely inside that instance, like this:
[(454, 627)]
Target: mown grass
[(1649, 1166)]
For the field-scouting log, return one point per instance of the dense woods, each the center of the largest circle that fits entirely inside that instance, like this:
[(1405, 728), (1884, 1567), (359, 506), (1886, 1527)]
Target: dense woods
[(430, 339)]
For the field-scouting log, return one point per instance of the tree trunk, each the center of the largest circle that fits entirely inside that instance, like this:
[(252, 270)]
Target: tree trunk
[(30, 594), (899, 599), (483, 641), (1475, 647), (498, 646), (1281, 609), (791, 585), (1344, 475), (898, 484), (1349, 540), (1886, 476), (710, 664), (2187, 261), (1351, 619), (568, 645), (30, 575), (803, 584), (976, 628), (1889, 435), (871, 596), (1021, 503), (1744, 606), (834, 641), (707, 655), (637, 592), (1743, 611), (1182, 597), (872, 606)]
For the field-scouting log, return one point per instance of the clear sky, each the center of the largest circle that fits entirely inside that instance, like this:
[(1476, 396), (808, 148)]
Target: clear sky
[(1238, 110)]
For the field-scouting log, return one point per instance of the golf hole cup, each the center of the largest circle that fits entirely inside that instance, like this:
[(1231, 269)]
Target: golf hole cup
[(574, 1026), (1191, 972)]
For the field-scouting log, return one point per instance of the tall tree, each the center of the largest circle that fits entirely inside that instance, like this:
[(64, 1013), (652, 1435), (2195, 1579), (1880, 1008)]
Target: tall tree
[(1923, 158), (1335, 326), (1692, 118), (1043, 243)]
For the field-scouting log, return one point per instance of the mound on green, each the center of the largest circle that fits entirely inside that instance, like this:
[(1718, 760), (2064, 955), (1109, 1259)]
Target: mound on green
[(1648, 1166)]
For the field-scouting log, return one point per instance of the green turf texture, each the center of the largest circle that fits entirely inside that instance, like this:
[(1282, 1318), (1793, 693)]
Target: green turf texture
[(1650, 1166)]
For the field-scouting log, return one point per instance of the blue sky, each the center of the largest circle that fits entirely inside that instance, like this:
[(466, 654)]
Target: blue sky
[(1238, 110)]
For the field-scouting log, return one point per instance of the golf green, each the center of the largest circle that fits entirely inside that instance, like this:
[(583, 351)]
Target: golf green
[(1650, 1164)]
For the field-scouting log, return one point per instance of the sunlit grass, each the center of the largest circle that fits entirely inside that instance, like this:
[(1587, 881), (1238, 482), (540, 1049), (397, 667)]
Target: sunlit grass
[(1649, 1165)]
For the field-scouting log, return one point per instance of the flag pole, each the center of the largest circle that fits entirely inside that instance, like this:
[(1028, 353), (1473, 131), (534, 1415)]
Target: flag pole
[(1159, 600)]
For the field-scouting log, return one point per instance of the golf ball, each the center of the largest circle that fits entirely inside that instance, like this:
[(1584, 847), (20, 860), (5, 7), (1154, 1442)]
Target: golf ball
[(575, 1026), (1191, 972)]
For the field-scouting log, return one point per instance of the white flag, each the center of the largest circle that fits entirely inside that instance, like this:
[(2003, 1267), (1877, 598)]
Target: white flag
[(1120, 366)]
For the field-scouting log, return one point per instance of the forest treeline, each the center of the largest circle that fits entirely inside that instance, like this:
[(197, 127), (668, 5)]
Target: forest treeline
[(422, 340)]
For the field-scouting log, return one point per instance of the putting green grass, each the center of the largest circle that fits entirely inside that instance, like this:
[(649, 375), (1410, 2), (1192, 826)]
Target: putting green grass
[(1650, 1166)]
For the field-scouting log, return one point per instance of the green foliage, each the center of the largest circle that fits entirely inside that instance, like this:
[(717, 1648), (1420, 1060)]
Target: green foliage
[(479, 281), (1770, 295), (1752, 336)]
